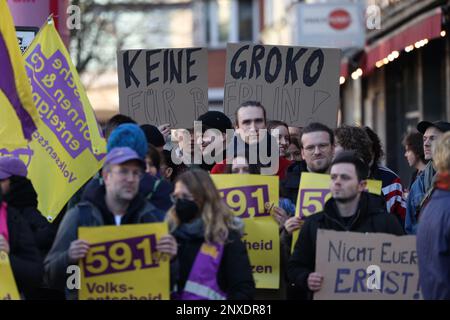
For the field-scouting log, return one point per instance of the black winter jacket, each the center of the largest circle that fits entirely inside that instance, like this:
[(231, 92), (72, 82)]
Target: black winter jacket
[(23, 198), (26, 261), (370, 217), (235, 275)]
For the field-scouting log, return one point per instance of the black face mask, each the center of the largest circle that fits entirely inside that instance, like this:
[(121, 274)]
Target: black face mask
[(186, 210)]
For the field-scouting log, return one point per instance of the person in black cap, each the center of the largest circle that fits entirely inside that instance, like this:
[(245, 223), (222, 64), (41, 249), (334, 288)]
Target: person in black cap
[(117, 202), (213, 142), (154, 136), (431, 132)]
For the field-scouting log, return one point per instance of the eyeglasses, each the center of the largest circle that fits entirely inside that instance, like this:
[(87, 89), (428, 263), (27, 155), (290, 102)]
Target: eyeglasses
[(124, 172), (174, 197), (322, 147)]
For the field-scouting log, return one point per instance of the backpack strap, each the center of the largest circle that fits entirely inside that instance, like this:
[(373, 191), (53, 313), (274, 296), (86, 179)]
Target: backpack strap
[(84, 214), (155, 187)]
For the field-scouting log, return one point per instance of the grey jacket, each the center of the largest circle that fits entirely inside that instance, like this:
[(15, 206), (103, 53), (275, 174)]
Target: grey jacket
[(57, 260)]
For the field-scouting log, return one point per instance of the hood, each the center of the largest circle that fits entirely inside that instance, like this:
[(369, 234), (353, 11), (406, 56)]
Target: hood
[(369, 204), (22, 193), (97, 198)]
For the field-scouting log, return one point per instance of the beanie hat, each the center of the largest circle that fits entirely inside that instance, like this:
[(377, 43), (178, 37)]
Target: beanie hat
[(128, 135)]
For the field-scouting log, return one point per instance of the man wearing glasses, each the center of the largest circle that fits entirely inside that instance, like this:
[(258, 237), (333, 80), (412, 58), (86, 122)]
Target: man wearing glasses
[(116, 203), (317, 148)]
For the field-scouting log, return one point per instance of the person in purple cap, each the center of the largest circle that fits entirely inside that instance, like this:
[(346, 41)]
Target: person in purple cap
[(431, 131), (16, 237), (117, 202)]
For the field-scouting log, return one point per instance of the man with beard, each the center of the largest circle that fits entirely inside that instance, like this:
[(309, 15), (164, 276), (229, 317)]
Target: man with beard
[(117, 202), (349, 209)]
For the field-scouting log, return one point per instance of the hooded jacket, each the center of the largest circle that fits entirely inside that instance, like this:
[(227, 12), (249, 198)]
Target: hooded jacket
[(371, 217), (26, 261), (23, 198)]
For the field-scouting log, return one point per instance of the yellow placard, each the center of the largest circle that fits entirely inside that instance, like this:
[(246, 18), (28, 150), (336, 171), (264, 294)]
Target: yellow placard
[(314, 191), (67, 148), (249, 197), (123, 264), (8, 288)]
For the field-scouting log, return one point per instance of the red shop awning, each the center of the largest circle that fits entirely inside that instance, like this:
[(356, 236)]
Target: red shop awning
[(344, 68), (425, 26)]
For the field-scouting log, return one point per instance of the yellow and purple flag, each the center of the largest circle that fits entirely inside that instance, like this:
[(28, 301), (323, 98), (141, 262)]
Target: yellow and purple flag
[(68, 147), (18, 114)]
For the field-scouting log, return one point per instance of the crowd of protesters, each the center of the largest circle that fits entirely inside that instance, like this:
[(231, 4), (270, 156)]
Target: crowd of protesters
[(154, 174)]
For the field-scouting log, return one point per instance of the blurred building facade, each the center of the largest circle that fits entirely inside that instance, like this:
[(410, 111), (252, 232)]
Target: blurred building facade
[(395, 66), (397, 76)]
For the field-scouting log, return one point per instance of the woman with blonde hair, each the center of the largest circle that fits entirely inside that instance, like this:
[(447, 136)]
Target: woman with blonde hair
[(213, 261)]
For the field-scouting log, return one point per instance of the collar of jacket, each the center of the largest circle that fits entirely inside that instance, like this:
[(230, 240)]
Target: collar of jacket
[(428, 175), (193, 230), (369, 204), (98, 200)]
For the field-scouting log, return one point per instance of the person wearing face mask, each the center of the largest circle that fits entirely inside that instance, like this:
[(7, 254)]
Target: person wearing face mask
[(213, 261)]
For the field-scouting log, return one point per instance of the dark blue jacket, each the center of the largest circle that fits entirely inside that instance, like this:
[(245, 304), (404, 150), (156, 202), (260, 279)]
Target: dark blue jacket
[(433, 246)]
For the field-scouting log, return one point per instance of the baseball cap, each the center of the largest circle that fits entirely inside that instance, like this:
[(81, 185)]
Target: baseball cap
[(153, 135), (11, 166), (441, 125), (121, 155)]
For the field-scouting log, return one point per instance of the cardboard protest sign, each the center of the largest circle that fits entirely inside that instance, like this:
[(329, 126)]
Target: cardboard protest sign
[(163, 85), (68, 147), (367, 266), (123, 264), (247, 196), (8, 288), (314, 191), (297, 85)]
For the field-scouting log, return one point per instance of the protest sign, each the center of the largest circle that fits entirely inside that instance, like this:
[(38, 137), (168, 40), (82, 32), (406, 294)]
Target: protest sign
[(19, 117), (297, 85), (123, 264), (367, 266), (163, 85), (250, 198), (314, 191), (68, 147), (25, 36), (8, 288)]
